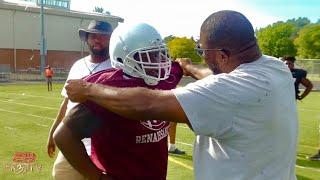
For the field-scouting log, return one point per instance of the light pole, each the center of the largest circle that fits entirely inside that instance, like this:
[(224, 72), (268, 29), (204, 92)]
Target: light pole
[(42, 40)]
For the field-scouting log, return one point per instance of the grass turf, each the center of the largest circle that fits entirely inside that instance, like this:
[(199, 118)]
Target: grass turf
[(27, 111)]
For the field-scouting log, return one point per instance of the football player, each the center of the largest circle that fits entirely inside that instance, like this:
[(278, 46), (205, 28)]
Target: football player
[(122, 148), (300, 77)]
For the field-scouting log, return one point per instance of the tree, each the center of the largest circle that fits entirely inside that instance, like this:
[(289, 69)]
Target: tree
[(277, 39), (100, 10), (183, 48), (300, 22), (167, 39), (308, 41)]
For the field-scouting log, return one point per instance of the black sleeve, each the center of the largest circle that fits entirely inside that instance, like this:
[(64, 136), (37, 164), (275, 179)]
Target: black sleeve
[(303, 73), (82, 121)]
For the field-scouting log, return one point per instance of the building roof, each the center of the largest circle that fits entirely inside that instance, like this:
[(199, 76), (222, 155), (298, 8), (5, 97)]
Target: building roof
[(30, 7)]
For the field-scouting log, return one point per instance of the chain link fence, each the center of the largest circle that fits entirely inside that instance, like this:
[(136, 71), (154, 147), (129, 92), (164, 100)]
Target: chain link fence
[(312, 66)]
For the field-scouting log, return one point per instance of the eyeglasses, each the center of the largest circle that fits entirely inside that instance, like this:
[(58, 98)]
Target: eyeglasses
[(201, 51)]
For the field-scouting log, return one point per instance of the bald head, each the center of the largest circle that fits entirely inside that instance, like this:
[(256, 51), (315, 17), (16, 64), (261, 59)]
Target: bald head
[(229, 30)]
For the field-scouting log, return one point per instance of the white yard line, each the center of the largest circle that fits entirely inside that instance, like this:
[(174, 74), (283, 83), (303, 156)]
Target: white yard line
[(32, 115), (306, 146), (30, 105), (28, 95), (191, 168), (184, 127), (191, 145), (302, 167), (312, 110), (180, 163), (186, 144), (10, 128), (308, 168), (43, 125)]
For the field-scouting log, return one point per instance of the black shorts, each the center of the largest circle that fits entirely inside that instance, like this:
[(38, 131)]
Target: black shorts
[(82, 121)]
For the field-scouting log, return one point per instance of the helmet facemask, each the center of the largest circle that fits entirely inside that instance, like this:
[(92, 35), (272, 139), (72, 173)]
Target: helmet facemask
[(150, 63)]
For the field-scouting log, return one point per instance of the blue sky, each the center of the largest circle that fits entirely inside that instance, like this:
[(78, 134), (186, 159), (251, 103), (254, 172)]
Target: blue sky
[(285, 9), (184, 17)]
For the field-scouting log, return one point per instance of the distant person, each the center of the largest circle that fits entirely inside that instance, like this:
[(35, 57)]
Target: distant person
[(172, 149), (97, 37), (243, 115), (300, 77), (121, 148), (49, 74)]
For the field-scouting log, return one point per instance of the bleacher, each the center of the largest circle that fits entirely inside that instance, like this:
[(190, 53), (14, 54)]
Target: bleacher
[(4, 77), (5, 72)]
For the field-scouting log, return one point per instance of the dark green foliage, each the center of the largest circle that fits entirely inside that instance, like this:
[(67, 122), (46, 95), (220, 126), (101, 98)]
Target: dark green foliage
[(183, 48), (308, 42), (277, 39)]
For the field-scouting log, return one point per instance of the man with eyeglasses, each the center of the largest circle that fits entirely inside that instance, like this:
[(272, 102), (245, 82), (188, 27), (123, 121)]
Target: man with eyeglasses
[(243, 115)]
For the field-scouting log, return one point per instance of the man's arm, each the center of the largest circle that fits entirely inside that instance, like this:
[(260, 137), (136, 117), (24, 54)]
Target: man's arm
[(51, 146), (195, 71), (78, 124), (133, 103), (69, 143), (308, 85)]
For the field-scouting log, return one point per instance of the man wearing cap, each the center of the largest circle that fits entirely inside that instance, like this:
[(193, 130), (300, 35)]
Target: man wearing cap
[(97, 38)]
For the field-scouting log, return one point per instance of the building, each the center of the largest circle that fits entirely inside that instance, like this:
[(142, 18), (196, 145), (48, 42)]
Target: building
[(20, 34)]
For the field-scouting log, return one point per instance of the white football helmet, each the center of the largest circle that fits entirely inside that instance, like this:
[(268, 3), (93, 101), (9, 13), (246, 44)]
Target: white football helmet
[(139, 50)]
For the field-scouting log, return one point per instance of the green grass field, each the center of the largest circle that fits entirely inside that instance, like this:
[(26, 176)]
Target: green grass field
[(27, 111)]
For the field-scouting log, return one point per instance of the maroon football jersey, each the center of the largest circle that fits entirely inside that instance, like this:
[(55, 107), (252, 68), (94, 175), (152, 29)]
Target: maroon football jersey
[(128, 149)]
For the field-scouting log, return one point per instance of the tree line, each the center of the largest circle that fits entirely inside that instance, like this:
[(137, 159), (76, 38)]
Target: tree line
[(294, 37)]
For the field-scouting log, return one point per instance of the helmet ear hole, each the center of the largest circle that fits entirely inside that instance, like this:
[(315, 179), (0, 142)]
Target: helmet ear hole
[(136, 56), (120, 60)]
